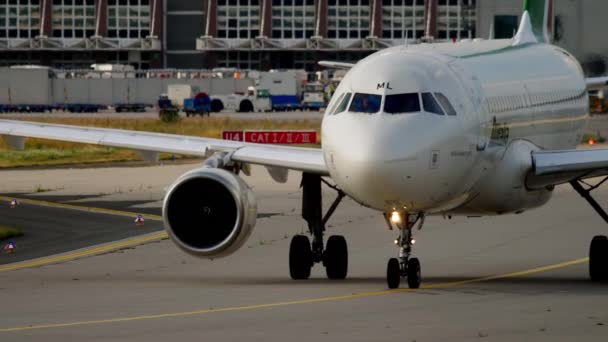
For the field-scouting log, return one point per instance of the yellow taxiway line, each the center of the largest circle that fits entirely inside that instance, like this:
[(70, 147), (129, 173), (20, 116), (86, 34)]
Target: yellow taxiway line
[(87, 251), (298, 302), (78, 207)]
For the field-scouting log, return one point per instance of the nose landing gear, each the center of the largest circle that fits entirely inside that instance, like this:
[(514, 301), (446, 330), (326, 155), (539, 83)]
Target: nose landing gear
[(404, 266)]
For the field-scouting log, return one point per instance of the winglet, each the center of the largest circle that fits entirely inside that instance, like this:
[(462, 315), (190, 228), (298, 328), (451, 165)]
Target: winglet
[(525, 34)]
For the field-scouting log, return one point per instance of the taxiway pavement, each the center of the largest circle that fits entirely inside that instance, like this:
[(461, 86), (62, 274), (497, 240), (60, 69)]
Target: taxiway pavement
[(155, 292)]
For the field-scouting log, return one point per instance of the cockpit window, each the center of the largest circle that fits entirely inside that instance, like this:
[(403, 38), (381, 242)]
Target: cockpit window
[(402, 103), (343, 103), (365, 103), (335, 104), (430, 104), (445, 103)]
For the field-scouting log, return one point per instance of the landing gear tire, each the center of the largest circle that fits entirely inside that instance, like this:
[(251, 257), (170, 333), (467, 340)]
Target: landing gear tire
[(404, 266), (300, 257), (598, 258), (414, 277), (335, 257), (393, 273)]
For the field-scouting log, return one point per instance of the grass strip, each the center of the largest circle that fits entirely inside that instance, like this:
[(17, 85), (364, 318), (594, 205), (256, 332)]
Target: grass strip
[(40, 152), (7, 232)]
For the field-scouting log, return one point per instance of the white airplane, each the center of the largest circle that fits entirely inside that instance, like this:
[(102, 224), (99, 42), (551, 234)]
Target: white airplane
[(472, 128)]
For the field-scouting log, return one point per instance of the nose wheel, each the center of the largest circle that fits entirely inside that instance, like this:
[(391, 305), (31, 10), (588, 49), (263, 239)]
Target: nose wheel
[(404, 266)]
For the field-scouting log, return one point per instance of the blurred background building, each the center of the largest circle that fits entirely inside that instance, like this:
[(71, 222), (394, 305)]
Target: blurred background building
[(263, 34)]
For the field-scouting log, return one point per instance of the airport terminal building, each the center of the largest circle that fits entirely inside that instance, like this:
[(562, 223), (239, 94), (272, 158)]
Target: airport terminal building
[(260, 34)]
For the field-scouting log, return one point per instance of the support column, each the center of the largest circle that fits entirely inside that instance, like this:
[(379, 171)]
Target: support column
[(321, 18), (101, 18), (210, 8), (266, 18), (550, 16), (375, 21), (156, 20), (430, 19), (46, 18)]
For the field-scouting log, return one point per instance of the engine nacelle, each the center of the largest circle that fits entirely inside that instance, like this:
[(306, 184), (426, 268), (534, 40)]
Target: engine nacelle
[(209, 212), (505, 191)]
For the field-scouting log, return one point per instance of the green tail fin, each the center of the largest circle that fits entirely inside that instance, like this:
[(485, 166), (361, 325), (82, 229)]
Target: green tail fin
[(541, 17)]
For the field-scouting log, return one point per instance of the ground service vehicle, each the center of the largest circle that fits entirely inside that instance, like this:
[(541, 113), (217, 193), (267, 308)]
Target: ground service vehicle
[(313, 101), (256, 100), (200, 104), (285, 87)]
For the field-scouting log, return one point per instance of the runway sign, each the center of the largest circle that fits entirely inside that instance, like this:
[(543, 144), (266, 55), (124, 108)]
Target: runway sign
[(272, 137)]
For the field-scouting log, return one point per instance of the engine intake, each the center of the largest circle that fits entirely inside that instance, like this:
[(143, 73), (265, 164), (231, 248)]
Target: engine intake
[(209, 212)]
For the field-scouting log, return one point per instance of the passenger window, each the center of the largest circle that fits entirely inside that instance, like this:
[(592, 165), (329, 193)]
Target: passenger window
[(343, 104), (402, 103), (365, 103), (430, 105), (445, 103)]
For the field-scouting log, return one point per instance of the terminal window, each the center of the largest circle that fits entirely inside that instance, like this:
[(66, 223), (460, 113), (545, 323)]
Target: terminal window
[(128, 19), (348, 19), (293, 19), (238, 19), (505, 26), (19, 19), (456, 20), (73, 18), (244, 60), (402, 19)]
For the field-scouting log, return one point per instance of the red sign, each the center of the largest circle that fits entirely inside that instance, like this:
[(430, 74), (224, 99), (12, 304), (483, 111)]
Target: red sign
[(272, 137), (232, 135)]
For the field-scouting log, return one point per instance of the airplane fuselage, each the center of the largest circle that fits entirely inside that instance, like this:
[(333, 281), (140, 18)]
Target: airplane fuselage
[(392, 142)]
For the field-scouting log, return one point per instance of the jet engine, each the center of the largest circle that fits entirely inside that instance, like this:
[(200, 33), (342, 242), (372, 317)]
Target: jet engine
[(504, 190), (209, 212)]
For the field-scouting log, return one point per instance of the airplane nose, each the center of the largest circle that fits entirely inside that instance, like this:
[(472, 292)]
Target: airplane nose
[(371, 159)]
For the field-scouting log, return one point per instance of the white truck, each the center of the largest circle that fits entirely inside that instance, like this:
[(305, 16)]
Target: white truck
[(314, 97), (313, 101), (285, 87), (255, 100), (177, 93)]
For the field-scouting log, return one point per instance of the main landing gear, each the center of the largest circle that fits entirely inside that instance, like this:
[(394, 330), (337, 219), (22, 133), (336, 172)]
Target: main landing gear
[(598, 251), (302, 253), (404, 266)]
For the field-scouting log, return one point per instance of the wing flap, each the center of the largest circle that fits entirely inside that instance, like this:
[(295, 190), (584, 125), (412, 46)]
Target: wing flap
[(294, 158)]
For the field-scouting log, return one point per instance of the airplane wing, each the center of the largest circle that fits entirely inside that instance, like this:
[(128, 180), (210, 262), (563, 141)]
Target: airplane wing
[(336, 65), (596, 82), (294, 158), (558, 167)]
